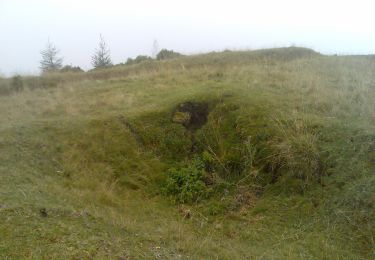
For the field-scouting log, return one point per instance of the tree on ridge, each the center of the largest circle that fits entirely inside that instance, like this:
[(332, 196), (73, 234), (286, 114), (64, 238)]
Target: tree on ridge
[(50, 60), (101, 57)]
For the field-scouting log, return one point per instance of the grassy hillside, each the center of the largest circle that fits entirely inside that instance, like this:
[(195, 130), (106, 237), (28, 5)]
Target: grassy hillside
[(96, 165)]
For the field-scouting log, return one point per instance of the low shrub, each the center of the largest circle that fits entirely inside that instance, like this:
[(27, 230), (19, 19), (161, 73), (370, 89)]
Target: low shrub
[(187, 184), (165, 54), (138, 59), (69, 68)]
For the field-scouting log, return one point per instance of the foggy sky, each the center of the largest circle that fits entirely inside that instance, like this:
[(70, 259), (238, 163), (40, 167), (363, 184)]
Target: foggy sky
[(188, 26)]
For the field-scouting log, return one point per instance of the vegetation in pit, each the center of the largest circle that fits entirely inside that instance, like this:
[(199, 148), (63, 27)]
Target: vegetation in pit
[(187, 184)]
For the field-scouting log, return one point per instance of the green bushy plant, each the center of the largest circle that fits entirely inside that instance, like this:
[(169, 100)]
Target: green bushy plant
[(187, 184)]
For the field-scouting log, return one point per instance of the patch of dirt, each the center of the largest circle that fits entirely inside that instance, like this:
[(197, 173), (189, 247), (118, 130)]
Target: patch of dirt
[(192, 115)]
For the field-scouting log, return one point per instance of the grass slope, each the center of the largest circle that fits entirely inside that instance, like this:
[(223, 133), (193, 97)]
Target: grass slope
[(290, 138)]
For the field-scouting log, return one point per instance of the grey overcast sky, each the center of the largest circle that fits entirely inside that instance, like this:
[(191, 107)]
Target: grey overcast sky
[(187, 26)]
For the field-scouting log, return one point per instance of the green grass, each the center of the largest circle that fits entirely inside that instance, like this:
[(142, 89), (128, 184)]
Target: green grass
[(289, 143)]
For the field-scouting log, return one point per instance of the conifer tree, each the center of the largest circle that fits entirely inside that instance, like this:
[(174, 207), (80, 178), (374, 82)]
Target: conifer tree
[(50, 60), (101, 58)]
